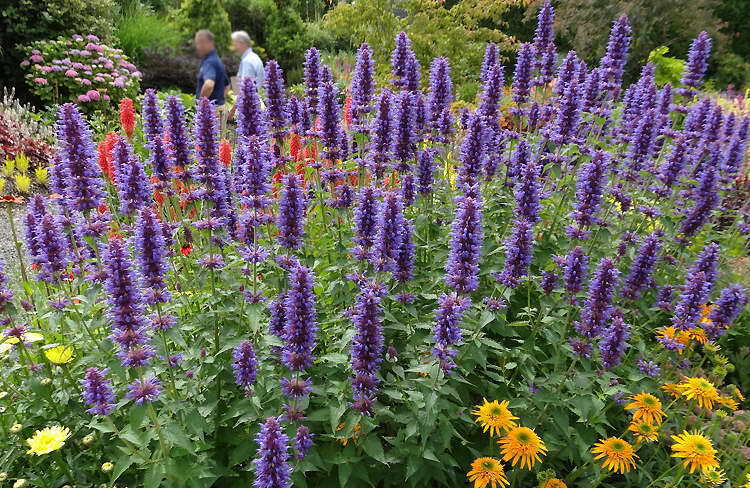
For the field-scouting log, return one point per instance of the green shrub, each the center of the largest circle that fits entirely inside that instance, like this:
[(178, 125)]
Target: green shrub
[(668, 69), (194, 15), (140, 29)]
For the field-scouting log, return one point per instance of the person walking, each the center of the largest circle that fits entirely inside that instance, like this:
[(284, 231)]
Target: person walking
[(212, 76), (250, 63)]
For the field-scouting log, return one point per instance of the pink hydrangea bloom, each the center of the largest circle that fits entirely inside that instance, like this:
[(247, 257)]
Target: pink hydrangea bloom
[(93, 95), (86, 81), (77, 37), (71, 73), (92, 37), (46, 69), (25, 63), (83, 98), (40, 81), (36, 59)]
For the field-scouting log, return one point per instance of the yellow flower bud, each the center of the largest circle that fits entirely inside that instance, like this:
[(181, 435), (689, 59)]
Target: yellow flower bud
[(46, 381), (87, 440), (107, 467), (20, 483), (3, 476), (15, 428)]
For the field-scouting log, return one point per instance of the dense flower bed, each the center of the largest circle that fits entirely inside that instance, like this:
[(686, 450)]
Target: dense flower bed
[(389, 293), (80, 69)]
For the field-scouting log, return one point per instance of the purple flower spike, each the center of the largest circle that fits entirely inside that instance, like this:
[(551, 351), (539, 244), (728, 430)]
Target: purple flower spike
[(575, 270), (363, 87), (300, 330), (97, 391), (330, 118), (697, 63), (245, 365), (292, 208), (614, 341), (405, 255), (251, 120), (448, 317), (312, 75), (54, 250), (472, 152), (367, 344), (390, 231), (693, 297), (490, 59), (425, 170), (152, 255), (643, 265), (144, 390), (272, 460), (544, 44), (153, 128), (83, 189), (133, 185), (380, 133), (522, 74), (276, 108), (404, 65), (462, 267), (706, 199), (731, 302), (519, 248), (613, 62), (366, 217), (209, 169), (492, 92), (179, 139), (527, 192), (441, 94), (598, 307), (404, 134), (303, 441), (591, 179)]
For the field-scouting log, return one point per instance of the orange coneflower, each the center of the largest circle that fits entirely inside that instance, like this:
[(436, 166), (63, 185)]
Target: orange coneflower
[(522, 444), (487, 471), (494, 417), (695, 450), (618, 454), (647, 408)]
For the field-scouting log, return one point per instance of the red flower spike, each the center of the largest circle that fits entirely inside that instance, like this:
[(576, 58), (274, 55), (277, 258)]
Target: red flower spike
[(127, 116), (225, 152)]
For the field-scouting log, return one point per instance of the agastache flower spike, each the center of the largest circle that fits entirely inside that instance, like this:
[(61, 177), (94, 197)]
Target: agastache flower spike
[(519, 249), (404, 65), (614, 341), (693, 296), (448, 317), (330, 116), (312, 77), (54, 251), (441, 93), (367, 345), (707, 262), (97, 391), (462, 267), (706, 199), (363, 87), (490, 59), (292, 208), (425, 170), (731, 302), (492, 92), (527, 192), (697, 63), (404, 136), (591, 179), (544, 44), (276, 109), (598, 307), (300, 330), (472, 151), (151, 255), (252, 171), (80, 173), (575, 270), (179, 143), (303, 441), (209, 169), (272, 460), (643, 266), (522, 74), (245, 365), (133, 185), (390, 230), (251, 120), (365, 218), (153, 128), (404, 262), (613, 62)]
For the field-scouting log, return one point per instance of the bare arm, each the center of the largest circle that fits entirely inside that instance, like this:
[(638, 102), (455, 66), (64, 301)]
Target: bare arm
[(207, 88)]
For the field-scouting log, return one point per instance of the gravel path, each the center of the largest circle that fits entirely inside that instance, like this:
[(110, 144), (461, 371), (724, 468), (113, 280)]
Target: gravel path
[(7, 247)]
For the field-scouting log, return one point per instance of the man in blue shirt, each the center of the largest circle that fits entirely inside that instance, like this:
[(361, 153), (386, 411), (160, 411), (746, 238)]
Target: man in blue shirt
[(212, 77)]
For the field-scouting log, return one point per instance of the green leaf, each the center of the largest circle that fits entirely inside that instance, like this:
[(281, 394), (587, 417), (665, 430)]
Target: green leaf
[(373, 447)]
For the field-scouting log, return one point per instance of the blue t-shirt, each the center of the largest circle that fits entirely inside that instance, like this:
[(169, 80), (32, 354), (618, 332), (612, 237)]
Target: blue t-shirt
[(213, 69)]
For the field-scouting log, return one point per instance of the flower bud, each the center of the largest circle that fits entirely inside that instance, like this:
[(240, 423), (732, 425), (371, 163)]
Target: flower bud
[(107, 467)]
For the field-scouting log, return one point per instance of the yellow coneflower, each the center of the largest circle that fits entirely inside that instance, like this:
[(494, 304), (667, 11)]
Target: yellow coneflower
[(713, 477), (618, 454), (729, 403), (747, 481), (697, 334), (522, 443), (737, 393), (647, 408), (644, 431), (701, 390), (695, 450), (494, 417), (673, 389), (487, 471), (554, 483)]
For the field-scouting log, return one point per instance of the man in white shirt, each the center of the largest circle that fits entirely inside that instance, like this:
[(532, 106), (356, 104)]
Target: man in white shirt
[(250, 63)]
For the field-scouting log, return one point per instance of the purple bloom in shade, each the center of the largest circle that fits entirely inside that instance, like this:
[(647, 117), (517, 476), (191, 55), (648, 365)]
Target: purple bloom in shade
[(330, 115), (133, 185), (706, 198), (276, 109), (591, 96), (614, 341), (366, 217), (490, 59), (522, 74), (363, 87), (251, 120), (544, 44), (566, 74), (404, 65), (441, 93), (390, 227), (462, 267), (124, 300), (292, 208), (405, 255), (404, 135), (649, 368), (79, 175), (590, 182), (520, 157), (209, 169), (179, 139), (272, 461), (565, 127), (312, 75), (731, 302), (408, 189), (277, 312), (664, 297), (144, 390), (244, 365), (97, 391), (153, 128), (54, 251), (598, 309), (152, 254), (448, 316), (693, 297), (472, 151), (697, 63), (303, 441), (575, 270), (300, 329), (613, 62), (425, 170), (367, 343), (492, 92), (674, 163), (527, 192), (252, 171), (643, 266), (580, 346), (519, 248), (733, 158), (548, 282)]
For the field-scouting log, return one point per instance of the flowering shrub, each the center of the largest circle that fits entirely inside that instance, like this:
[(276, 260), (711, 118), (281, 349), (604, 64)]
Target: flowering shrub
[(360, 294), (80, 69), (22, 134)]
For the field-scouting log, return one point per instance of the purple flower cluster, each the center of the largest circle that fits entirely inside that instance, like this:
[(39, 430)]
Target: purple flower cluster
[(272, 460), (390, 225), (591, 179), (152, 255), (462, 266), (292, 208), (598, 308), (97, 391), (614, 341), (643, 266), (448, 317), (245, 365), (363, 87), (300, 329), (367, 346)]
